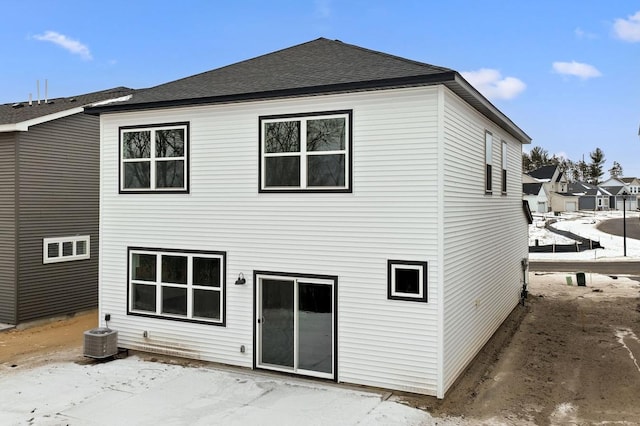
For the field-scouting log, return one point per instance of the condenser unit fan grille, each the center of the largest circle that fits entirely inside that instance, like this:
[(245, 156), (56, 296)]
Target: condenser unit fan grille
[(100, 343)]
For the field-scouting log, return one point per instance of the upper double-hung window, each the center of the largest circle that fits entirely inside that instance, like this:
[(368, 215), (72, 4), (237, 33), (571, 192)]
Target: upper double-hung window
[(306, 152), (154, 158)]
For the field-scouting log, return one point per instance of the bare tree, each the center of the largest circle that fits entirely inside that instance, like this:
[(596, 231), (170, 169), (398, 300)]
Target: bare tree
[(616, 170)]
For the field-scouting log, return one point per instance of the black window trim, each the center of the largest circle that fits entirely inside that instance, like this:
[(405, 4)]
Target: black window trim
[(488, 166), (187, 159), (503, 158), (349, 149), (223, 285), (296, 275), (425, 270)]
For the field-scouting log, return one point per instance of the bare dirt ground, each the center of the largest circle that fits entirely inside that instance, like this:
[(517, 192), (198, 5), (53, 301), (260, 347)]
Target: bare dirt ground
[(571, 355), (58, 339)]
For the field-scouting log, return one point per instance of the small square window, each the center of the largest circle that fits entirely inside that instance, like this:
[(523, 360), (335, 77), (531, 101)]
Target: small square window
[(407, 280)]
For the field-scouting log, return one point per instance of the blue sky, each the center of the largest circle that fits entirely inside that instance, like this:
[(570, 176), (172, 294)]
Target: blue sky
[(567, 72)]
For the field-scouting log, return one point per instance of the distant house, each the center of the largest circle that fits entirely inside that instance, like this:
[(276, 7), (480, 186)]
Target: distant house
[(323, 210), (591, 197), (49, 192), (633, 185), (555, 183), (536, 195), (618, 187)]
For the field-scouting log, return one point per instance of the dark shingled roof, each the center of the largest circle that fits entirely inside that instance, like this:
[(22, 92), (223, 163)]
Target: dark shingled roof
[(544, 172), (18, 112), (316, 67), (531, 188), (579, 187)]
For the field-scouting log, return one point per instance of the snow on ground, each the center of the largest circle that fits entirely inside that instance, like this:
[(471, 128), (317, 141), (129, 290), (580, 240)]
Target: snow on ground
[(583, 224), (133, 391)]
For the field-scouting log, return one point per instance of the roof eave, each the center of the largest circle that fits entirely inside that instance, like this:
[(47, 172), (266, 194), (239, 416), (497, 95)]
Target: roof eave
[(23, 126), (418, 80), (470, 94), (452, 79)]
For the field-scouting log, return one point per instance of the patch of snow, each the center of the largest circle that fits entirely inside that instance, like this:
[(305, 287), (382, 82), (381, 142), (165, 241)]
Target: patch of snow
[(110, 101), (584, 225), (623, 334)]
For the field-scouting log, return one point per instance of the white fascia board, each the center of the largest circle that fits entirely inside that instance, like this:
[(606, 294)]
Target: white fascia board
[(23, 126)]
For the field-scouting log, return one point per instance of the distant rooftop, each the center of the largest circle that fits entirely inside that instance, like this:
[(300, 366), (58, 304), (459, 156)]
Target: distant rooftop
[(19, 112)]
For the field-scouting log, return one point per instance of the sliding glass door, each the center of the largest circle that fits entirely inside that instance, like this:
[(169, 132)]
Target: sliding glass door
[(295, 325)]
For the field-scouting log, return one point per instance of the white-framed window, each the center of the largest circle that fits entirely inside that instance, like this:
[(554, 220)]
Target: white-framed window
[(306, 152), (407, 280), (154, 158), (183, 285), (65, 249), (504, 167), (488, 175)]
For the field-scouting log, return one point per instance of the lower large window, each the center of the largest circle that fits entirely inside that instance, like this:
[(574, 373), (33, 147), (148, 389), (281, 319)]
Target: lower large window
[(183, 285)]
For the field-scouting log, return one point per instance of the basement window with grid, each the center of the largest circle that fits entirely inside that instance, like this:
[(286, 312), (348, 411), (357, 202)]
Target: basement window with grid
[(180, 285), (65, 249), (154, 158), (306, 152)]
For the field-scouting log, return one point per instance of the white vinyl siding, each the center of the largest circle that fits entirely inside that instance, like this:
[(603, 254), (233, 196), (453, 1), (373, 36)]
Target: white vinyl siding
[(483, 245), (390, 213)]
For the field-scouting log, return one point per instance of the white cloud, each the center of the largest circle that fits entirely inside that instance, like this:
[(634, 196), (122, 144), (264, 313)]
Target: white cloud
[(323, 8), (578, 69), (581, 34), (491, 84), (73, 46), (628, 29)]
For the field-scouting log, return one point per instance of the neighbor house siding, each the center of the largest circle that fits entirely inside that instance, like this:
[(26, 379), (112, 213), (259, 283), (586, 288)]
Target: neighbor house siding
[(7, 228), (485, 236), (58, 174), (390, 214)]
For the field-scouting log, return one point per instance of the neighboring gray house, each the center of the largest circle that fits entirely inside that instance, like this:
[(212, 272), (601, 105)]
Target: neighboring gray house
[(617, 187), (323, 210), (591, 197), (49, 172)]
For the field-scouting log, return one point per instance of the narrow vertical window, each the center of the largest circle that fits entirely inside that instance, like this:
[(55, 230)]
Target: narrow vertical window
[(504, 167), (488, 141)]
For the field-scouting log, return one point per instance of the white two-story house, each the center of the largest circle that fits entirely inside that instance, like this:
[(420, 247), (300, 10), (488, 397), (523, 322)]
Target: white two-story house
[(323, 210)]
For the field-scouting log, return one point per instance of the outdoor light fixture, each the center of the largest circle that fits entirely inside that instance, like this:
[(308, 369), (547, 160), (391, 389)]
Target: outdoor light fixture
[(624, 221), (240, 279)]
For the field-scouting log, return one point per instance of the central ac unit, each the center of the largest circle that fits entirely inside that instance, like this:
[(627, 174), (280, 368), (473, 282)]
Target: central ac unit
[(100, 343)]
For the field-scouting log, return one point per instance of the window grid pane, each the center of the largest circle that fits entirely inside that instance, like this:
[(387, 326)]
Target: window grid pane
[(309, 153), (190, 286), (154, 159), (65, 249)]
